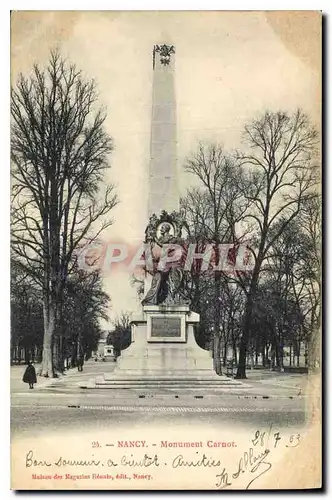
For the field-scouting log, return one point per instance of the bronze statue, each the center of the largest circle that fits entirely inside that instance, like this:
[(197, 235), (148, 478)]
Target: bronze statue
[(167, 283)]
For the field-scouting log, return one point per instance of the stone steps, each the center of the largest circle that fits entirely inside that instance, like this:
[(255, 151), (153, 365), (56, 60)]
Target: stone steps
[(181, 381), (167, 383), (163, 387), (162, 375)]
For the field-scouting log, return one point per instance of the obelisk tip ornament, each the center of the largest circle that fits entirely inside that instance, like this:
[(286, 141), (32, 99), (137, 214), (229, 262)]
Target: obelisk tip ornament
[(165, 53)]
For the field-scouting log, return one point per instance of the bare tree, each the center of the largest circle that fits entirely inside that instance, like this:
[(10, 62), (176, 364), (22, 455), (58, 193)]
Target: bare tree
[(282, 272), (59, 153), (309, 294), (213, 212), (137, 281), (120, 336), (282, 176), (85, 305), (123, 320)]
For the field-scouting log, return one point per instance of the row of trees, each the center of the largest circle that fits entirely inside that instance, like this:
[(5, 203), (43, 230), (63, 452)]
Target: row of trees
[(266, 197), (60, 201), (85, 303)]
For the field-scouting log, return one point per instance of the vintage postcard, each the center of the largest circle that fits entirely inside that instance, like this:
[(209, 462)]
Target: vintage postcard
[(166, 250)]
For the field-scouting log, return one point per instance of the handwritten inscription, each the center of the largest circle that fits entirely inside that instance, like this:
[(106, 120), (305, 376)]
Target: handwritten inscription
[(251, 464), (145, 461), (202, 461)]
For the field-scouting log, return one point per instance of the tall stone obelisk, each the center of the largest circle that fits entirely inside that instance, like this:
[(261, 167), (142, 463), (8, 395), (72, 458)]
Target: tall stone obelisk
[(163, 188)]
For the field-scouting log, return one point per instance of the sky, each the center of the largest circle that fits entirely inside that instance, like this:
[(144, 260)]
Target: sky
[(230, 67)]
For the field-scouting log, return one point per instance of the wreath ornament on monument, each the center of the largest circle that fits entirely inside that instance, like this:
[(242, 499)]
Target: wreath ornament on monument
[(171, 223)]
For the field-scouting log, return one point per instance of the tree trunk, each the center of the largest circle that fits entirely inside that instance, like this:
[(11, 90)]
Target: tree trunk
[(216, 354), (256, 352), (251, 357), (241, 369), (276, 348), (49, 329), (273, 356), (57, 358), (314, 353), (314, 340), (225, 354), (234, 348), (61, 365), (267, 355), (306, 353), (217, 339), (264, 355), (281, 350), (57, 352)]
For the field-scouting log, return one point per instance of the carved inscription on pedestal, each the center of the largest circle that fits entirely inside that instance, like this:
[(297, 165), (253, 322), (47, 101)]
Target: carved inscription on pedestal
[(165, 327)]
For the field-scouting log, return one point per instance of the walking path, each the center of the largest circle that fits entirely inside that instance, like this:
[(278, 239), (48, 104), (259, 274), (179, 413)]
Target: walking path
[(266, 400), (261, 384), (16, 375)]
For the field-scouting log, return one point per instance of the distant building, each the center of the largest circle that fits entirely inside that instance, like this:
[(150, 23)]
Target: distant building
[(102, 342)]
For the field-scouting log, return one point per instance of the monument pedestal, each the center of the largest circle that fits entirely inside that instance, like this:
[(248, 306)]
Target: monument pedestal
[(164, 354)]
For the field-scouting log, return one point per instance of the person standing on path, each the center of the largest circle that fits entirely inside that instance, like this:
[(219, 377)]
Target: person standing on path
[(29, 376), (80, 363)]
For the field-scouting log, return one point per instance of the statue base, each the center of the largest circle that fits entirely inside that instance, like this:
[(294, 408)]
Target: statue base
[(164, 355)]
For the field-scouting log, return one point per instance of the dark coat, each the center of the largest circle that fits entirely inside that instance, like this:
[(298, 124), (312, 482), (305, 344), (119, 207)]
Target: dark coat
[(80, 361), (30, 375)]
